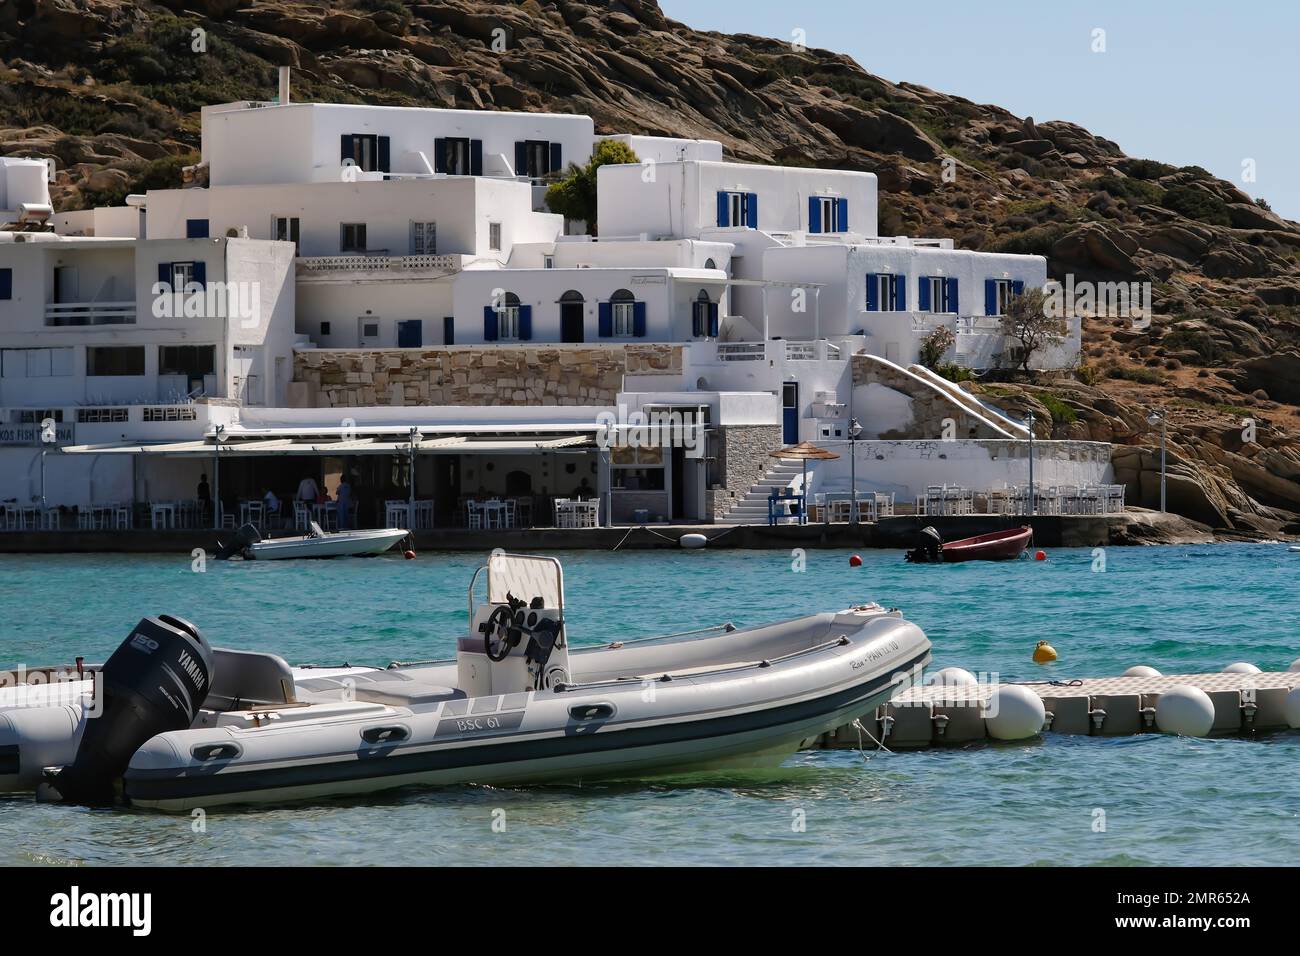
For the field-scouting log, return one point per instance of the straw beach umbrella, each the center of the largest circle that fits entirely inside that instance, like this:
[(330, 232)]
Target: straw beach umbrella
[(804, 451)]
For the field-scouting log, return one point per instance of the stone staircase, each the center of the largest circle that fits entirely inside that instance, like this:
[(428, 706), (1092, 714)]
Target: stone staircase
[(752, 509)]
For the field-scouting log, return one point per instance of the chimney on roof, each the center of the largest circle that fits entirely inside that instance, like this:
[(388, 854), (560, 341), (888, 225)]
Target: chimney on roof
[(284, 86)]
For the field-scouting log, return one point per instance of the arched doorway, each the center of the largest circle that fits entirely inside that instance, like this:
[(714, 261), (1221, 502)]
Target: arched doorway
[(571, 317)]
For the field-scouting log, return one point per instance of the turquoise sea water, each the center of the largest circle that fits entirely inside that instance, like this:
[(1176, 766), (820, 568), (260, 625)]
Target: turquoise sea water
[(1166, 800)]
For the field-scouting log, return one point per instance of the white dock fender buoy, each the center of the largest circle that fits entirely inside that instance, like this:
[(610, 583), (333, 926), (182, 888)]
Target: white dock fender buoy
[(692, 541), (1141, 670), (1241, 667), (1014, 713), (1295, 665), (1291, 708), (952, 677), (1185, 710)]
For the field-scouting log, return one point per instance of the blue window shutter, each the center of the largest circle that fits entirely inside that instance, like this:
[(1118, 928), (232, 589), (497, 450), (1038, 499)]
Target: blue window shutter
[(410, 334), (201, 274), (923, 294), (345, 147), (6, 283), (384, 165), (476, 157), (557, 157), (448, 330), (1017, 287), (990, 296), (872, 287), (952, 295), (525, 322), (724, 208), (751, 210), (604, 320), (489, 324), (439, 155), (521, 159), (814, 214), (898, 292), (638, 319), (196, 229), (165, 274), (713, 319), (843, 205)]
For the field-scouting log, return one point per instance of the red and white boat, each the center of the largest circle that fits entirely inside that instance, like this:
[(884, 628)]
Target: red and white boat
[(995, 546)]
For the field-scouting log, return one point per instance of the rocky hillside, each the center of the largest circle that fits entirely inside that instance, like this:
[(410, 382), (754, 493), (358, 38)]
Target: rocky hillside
[(112, 89)]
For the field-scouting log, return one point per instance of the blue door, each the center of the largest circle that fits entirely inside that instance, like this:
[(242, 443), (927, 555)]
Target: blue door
[(410, 334), (790, 413)]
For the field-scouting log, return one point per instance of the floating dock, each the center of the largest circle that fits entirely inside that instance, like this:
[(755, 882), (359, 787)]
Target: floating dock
[(937, 715)]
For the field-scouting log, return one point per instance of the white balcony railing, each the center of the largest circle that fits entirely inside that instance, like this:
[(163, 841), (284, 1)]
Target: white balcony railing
[(361, 262), (90, 313)]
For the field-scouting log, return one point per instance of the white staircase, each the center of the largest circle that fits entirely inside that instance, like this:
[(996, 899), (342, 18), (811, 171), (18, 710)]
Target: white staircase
[(752, 509)]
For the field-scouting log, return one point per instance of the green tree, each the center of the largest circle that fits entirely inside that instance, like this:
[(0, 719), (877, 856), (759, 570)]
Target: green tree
[(574, 196), (1030, 326)]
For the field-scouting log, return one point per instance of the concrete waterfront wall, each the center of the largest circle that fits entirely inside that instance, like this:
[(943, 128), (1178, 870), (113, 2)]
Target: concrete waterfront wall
[(476, 375), (1050, 531)]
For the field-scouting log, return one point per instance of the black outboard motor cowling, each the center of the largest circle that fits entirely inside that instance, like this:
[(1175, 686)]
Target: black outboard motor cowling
[(246, 535), (154, 682), (929, 547)]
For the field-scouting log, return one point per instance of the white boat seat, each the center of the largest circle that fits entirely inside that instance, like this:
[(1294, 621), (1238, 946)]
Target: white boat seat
[(379, 687)]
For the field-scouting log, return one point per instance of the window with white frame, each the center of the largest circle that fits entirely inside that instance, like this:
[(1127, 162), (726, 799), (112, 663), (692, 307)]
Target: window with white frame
[(622, 306), (35, 363), (1005, 291), (548, 262), (182, 275), (508, 317), (424, 238), (889, 292), (939, 295), (494, 236), (830, 213)]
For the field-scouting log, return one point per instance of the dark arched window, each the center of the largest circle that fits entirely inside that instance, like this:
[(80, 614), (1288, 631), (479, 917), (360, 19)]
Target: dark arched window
[(704, 315), (710, 264), (572, 296)]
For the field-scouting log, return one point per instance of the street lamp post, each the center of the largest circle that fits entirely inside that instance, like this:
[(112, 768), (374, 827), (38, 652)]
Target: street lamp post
[(854, 431), (49, 435), (1158, 417), (1033, 499), (416, 438), (218, 434)]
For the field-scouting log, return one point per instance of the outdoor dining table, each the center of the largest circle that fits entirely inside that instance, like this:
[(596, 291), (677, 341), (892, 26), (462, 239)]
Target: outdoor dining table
[(162, 514), (326, 515)]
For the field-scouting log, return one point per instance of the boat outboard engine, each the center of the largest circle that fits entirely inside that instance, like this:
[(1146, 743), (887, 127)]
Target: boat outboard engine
[(154, 682), (929, 547), (246, 535)]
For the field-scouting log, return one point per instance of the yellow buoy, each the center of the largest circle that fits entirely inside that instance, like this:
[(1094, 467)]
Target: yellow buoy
[(1044, 653)]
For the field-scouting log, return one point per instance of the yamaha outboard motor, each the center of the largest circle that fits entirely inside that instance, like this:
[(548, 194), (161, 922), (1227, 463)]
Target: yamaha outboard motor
[(246, 535), (929, 547), (154, 682)]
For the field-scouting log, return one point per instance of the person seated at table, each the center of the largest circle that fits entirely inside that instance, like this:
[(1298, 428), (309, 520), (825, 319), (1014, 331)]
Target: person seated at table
[(343, 502), (272, 504), (204, 496), (308, 492)]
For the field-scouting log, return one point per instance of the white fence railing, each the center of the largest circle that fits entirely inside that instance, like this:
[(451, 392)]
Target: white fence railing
[(364, 263), (90, 313)]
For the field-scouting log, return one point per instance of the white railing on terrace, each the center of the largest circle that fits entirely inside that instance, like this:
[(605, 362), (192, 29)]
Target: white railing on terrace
[(758, 351), (378, 263), (858, 239), (90, 313)]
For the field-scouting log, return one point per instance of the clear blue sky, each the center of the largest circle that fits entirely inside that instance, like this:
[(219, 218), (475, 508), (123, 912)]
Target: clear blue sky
[(1187, 82)]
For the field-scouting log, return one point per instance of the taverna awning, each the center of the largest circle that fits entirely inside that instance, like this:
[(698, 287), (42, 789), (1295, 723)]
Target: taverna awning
[(442, 445)]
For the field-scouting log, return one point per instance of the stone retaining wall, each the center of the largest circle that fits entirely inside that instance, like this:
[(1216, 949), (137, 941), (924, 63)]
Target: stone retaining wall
[(743, 460), (477, 375)]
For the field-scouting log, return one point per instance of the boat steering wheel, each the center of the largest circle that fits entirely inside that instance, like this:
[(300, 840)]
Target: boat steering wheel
[(497, 636)]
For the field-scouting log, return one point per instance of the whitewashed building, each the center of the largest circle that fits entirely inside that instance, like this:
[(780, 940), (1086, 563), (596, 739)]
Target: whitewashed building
[(339, 275)]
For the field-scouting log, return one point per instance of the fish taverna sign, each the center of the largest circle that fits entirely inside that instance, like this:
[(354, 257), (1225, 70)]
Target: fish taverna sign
[(47, 432)]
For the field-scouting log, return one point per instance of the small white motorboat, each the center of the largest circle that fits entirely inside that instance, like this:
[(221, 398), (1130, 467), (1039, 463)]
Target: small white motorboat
[(178, 724), (318, 543)]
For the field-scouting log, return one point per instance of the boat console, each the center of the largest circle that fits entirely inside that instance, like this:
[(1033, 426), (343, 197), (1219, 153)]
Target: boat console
[(516, 640)]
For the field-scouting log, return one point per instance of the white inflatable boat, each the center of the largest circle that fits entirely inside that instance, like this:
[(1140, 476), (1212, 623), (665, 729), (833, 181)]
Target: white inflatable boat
[(171, 723), (317, 544)]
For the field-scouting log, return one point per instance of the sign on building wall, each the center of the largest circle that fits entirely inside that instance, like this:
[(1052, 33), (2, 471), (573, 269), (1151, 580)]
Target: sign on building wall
[(29, 433)]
